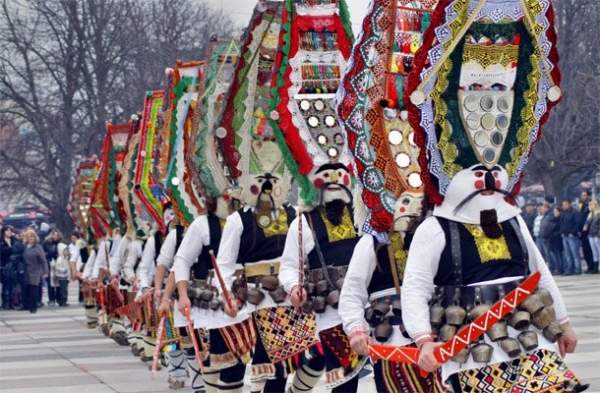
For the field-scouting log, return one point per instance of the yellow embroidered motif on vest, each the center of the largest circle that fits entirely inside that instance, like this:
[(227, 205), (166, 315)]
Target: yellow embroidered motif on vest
[(221, 223), (344, 231), (279, 226), (489, 249), (400, 254)]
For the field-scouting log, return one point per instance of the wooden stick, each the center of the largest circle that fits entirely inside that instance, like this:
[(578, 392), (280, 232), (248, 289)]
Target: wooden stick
[(226, 293)]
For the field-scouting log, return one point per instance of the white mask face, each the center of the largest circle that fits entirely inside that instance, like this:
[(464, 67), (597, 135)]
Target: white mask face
[(266, 188), (168, 217), (268, 179), (475, 189), (333, 182), (408, 207)]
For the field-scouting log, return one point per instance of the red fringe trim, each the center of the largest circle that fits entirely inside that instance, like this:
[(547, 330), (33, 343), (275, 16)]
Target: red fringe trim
[(289, 130), (414, 115), (431, 187), (381, 220), (227, 144)]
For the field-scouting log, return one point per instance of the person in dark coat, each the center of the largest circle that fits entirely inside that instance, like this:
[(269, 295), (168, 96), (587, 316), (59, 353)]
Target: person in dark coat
[(50, 248), (18, 264), (584, 209), (7, 270), (570, 229), (529, 215), (36, 268), (551, 240)]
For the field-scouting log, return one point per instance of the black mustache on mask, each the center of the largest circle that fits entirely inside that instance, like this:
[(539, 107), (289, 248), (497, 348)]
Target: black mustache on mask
[(477, 192), (329, 185)]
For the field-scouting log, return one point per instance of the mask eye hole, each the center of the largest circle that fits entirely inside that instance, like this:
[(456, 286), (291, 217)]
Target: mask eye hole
[(496, 174), (326, 175), (406, 201), (478, 174)]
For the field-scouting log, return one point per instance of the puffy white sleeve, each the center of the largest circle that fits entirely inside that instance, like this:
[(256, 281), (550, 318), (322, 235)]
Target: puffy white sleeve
[(101, 261), (89, 266), (117, 257), (166, 254), (135, 252), (145, 270), (355, 295), (537, 264), (289, 268), (196, 237), (421, 267), (230, 247)]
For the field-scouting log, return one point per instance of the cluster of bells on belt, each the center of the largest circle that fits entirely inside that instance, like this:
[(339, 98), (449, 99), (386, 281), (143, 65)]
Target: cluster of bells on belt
[(379, 314), (536, 310)]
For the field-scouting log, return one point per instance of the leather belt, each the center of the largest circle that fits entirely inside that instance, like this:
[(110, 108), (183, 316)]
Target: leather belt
[(486, 294), (261, 269)]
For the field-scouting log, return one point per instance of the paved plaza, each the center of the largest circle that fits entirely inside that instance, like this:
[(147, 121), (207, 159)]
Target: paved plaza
[(53, 352)]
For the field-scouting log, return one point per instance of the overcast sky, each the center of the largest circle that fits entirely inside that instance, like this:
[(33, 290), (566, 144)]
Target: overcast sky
[(242, 9)]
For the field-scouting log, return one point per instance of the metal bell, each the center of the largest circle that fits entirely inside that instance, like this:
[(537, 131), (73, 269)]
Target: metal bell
[(307, 306), (436, 314), (462, 356), (553, 331), (544, 317), (397, 307), (455, 315), (479, 310), (498, 331), (528, 339), (533, 304), (511, 347), (381, 308), (520, 320), (482, 352), (447, 332), (545, 297)]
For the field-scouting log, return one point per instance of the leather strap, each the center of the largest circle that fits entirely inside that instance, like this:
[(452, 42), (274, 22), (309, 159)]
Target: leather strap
[(394, 268), (515, 226), (456, 252), (319, 252)]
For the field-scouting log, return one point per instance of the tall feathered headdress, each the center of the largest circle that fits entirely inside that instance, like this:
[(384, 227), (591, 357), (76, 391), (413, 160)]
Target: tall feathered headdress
[(182, 180), (131, 213), (316, 41), (81, 193), (372, 111), (222, 59), (246, 137), (482, 88), (149, 189), (105, 201)]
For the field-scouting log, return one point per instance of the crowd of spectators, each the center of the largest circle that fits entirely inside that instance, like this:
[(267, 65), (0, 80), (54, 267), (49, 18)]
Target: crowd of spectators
[(568, 235), (27, 265)]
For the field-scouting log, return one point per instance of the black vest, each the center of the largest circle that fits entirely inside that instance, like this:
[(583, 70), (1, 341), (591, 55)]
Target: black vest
[(254, 245), (336, 253), (204, 263), (382, 278), (472, 268), (158, 241)]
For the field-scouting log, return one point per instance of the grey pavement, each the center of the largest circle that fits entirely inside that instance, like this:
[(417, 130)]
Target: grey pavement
[(53, 352)]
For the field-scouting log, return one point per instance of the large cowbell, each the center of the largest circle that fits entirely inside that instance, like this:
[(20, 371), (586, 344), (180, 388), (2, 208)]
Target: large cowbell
[(486, 96)]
